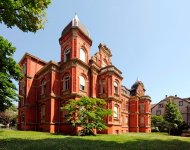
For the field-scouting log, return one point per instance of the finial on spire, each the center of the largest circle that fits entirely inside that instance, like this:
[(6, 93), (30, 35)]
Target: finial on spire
[(75, 21)]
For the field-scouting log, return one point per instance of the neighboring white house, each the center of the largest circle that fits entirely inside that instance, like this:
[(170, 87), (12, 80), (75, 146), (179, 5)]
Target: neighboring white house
[(182, 103)]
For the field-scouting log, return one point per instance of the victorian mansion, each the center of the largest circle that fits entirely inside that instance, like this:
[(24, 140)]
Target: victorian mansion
[(47, 86)]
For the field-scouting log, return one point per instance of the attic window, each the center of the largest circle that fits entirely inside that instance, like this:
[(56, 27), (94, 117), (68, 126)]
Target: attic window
[(160, 105)]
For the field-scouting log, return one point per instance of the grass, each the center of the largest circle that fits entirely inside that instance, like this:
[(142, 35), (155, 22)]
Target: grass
[(13, 140)]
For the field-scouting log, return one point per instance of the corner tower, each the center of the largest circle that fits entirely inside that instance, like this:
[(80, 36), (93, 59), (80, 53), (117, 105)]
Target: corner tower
[(75, 41), (139, 109)]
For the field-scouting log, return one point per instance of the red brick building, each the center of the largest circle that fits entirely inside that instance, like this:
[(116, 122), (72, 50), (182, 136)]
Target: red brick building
[(47, 86)]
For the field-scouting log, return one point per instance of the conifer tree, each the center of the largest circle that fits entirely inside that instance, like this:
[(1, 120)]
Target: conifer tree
[(172, 116)]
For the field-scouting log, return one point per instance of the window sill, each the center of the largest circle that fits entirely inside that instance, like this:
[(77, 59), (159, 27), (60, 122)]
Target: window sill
[(84, 91), (65, 92), (116, 94), (116, 119), (43, 96)]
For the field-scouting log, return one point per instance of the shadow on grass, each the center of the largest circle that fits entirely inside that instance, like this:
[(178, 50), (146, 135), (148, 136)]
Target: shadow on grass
[(79, 143)]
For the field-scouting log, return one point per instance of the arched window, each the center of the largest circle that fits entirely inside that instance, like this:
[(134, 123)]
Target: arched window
[(116, 112), (102, 86), (82, 83), (67, 54), (82, 55), (66, 83), (115, 87), (43, 86)]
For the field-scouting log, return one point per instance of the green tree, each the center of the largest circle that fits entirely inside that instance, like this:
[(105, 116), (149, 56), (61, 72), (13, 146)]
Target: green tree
[(172, 116), (8, 116), (9, 70), (87, 113), (27, 15)]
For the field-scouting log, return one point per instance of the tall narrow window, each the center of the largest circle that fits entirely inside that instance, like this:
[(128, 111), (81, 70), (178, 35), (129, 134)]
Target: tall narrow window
[(24, 69), (82, 55), (116, 111), (82, 83), (102, 87), (141, 108), (43, 109), (67, 55), (127, 121), (115, 87), (43, 87), (66, 83), (142, 120), (22, 117)]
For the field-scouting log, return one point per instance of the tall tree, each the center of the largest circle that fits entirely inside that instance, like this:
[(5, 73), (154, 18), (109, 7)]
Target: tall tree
[(87, 113), (9, 70), (27, 15), (172, 115)]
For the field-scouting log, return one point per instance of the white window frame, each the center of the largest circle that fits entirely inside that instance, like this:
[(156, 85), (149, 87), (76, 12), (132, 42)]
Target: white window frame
[(82, 55), (82, 83), (116, 89), (116, 112)]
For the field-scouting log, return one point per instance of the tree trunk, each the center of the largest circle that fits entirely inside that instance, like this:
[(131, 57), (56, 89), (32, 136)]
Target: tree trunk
[(8, 125)]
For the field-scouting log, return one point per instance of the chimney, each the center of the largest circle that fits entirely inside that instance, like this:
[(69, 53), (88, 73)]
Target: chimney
[(166, 96), (176, 95)]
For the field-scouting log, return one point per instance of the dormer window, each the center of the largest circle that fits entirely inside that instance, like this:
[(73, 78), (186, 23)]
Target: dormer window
[(67, 55), (82, 55)]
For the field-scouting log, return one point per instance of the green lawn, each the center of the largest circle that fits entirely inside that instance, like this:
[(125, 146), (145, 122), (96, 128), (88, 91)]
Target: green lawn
[(13, 140)]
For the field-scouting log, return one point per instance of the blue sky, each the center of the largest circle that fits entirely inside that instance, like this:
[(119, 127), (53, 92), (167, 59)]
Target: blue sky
[(149, 39)]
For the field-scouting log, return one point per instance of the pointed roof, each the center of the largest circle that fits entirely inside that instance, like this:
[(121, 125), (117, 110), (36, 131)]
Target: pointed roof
[(76, 23), (136, 84)]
